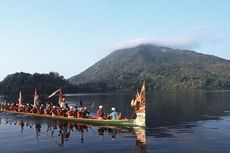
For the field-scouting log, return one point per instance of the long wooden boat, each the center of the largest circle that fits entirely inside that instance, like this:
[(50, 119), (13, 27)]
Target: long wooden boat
[(104, 122), (122, 122)]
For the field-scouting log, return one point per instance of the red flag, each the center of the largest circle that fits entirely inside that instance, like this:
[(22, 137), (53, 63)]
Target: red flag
[(35, 95), (20, 98), (60, 97)]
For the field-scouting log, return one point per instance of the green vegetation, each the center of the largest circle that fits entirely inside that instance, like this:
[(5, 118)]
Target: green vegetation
[(45, 83), (160, 67)]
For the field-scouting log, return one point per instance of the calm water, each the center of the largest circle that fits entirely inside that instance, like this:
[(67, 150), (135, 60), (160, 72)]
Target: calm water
[(177, 122)]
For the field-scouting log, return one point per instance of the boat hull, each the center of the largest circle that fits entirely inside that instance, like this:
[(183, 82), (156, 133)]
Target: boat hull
[(140, 119), (122, 122)]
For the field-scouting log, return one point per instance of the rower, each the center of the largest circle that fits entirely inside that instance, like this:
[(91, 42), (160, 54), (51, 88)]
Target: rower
[(60, 111), (21, 108), (54, 111), (47, 110), (86, 112), (100, 113), (11, 107), (80, 112), (75, 113), (40, 109), (28, 108), (70, 113), (34, 109), (64, 105), (113, 115)]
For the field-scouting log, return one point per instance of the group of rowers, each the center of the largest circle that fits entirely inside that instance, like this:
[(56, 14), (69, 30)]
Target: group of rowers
[(63, 110)]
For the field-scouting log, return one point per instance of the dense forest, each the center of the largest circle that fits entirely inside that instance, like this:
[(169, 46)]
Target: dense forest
[(161, 68), (44, 83)]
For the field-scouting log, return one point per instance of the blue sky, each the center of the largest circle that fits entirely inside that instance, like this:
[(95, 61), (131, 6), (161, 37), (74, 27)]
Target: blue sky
[(69, 36)]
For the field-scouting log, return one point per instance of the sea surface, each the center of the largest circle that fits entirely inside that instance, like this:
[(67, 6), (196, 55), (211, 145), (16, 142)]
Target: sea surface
[(177, 122)]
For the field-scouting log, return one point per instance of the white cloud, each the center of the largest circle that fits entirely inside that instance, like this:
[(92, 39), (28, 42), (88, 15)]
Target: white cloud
[(183, 41)]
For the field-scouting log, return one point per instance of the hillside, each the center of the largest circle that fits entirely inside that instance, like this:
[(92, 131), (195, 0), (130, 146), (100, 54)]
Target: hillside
[(45, 83), (161, 67)]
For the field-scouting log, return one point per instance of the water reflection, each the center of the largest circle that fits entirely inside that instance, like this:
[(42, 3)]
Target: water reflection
[(176, 107), (175, 122), (140, 145), (59, 132)]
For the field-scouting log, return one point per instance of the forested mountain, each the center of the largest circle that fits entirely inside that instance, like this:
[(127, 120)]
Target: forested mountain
[(160, 67), (45, 83)]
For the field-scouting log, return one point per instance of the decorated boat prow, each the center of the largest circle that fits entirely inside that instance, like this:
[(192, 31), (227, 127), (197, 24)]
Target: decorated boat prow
[(139, 105)]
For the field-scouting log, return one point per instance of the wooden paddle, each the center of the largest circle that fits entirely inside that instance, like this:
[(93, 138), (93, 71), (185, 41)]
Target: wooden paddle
[(51, 95)]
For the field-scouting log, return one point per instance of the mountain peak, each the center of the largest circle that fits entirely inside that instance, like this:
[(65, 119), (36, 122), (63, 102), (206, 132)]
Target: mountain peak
[(161, 67)]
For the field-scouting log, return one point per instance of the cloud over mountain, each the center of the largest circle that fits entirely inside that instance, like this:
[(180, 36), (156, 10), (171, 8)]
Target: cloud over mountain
[(183, 41)]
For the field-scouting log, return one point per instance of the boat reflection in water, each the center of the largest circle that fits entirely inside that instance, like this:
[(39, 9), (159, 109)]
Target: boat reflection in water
[(140, 146), (59, 131)]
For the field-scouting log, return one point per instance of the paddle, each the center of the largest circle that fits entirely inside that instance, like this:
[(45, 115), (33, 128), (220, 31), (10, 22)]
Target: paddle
[(92, 106), (51, 95)]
